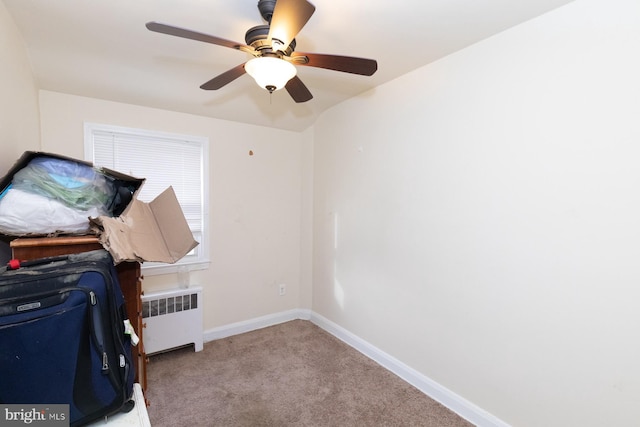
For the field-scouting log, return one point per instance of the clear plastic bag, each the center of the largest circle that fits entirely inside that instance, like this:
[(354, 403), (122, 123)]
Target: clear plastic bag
[(76, 185), (24, 213)]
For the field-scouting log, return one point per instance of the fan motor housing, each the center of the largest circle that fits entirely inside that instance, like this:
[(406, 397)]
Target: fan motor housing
[(257, 37), (266, 9)]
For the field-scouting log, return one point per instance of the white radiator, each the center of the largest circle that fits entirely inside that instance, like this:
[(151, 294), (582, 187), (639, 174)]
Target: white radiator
[(173, 318)]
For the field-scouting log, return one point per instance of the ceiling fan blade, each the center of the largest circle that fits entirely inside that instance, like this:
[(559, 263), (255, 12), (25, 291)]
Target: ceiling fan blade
[(194, 35), (298, 90), (224, 78), (346, 64), (289, 16)]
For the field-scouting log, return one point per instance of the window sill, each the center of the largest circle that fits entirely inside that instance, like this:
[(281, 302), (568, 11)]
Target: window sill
[(158, 269)]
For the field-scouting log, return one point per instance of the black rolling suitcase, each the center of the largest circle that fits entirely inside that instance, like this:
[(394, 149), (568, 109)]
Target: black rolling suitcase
[(62, 336)]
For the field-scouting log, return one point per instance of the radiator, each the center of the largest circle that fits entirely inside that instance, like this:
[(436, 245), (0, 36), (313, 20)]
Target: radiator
[(172, 318)]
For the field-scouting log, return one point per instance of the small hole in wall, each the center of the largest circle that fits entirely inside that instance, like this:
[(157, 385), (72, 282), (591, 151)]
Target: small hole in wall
[(251, 152)]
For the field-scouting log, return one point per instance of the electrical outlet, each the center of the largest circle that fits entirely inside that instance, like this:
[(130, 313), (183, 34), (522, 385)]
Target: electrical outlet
[(282, 289)]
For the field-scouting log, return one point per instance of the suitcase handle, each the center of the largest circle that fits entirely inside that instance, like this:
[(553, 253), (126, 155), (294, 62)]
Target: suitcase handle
[(15, 264)]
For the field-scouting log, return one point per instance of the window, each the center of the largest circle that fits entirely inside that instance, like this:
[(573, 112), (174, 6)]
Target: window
[(164, 160)]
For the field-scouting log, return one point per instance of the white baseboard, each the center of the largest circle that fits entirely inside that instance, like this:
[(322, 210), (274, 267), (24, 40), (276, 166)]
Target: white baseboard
[(255, 324), (434, 390)]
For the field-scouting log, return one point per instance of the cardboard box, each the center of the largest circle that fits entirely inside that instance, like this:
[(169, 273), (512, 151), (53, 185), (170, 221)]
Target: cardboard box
[(155, 231), (133, 184)]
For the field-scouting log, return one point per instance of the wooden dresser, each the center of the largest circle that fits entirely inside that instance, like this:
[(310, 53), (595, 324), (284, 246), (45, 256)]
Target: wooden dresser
[(129, 276)]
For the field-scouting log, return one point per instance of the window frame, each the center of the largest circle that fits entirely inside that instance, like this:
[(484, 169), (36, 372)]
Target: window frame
[(201, 261)]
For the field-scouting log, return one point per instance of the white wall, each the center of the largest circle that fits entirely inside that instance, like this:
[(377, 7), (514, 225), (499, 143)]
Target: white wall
[(479, 219), (255, 202), (19, 127)]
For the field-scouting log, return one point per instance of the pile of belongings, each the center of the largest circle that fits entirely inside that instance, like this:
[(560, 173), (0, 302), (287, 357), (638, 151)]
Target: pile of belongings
[(57, 196)]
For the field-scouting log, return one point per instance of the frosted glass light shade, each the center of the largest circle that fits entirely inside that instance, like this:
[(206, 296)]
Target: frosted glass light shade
[(270, 73)]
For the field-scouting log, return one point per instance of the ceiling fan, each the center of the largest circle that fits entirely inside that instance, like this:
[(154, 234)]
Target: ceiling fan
[(273, 47)]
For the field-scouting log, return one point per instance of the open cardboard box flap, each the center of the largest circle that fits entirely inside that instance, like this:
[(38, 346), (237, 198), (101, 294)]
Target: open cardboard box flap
[(156, 231)]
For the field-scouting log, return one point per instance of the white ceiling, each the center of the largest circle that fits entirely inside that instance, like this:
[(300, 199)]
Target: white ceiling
[(101, 49)]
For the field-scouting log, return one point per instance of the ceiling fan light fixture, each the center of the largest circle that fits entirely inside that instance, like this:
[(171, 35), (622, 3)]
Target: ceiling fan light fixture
[(270, 73)]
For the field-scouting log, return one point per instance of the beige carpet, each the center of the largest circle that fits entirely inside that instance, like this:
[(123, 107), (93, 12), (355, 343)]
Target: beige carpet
[(292, 374)]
